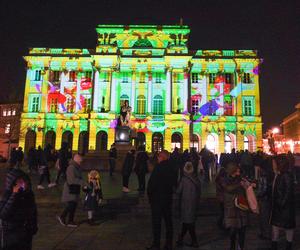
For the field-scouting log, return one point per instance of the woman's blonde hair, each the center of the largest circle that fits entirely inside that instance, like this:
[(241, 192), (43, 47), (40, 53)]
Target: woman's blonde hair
[(94, 174), (188, 168)]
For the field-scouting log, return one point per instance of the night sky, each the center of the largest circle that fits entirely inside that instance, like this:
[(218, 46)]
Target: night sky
[(271, 27)]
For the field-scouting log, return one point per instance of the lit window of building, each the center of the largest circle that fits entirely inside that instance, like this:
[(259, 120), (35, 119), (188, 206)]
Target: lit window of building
[(195, 77), (72, 76), (37, 75), (141, 105), (4, 112), (248, 105), (246, 78), (7, 128), (34, 103), (157, 105), (13, 113)]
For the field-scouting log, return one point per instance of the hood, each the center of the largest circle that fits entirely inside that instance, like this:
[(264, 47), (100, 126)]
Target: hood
[(12, 175)]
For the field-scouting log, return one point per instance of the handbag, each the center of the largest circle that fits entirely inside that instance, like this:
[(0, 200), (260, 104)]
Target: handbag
[(240, 201), (74, 188)]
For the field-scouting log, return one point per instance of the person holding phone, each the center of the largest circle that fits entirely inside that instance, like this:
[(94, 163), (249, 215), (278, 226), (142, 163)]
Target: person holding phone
[(18, 212)]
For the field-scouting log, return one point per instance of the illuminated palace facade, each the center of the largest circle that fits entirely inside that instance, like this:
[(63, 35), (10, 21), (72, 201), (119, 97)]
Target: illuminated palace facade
[(178, 97)]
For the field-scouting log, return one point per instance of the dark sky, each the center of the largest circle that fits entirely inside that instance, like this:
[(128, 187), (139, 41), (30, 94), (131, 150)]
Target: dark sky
[(272, 27)]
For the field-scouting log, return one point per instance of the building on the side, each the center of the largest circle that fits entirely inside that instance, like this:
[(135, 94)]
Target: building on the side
[(179, 97), (10, 114), (291, 130)]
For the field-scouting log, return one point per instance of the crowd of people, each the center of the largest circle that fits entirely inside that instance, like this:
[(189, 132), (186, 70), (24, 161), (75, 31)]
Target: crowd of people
[(172, 175)]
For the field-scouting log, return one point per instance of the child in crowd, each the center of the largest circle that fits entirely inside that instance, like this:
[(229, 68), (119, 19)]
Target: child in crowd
[(93, 195)]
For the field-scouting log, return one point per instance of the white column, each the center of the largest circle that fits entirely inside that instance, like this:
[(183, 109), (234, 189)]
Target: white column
[(78, 104), (113, 93), (64, 77), (185, 94), (168, 92), (132, 93), (150, 96), (96, 92)]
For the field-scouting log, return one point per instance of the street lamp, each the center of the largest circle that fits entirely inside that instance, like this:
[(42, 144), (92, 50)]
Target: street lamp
[(275, 130)]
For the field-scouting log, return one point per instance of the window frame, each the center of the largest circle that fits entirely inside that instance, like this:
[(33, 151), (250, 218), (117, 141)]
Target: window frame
[(248, 105), (158, 105), (141, 105)]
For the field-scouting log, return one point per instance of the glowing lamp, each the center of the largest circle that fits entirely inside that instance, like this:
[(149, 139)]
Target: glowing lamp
[(275, 130)]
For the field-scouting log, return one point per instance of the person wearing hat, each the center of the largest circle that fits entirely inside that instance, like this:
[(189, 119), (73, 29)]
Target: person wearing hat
[(235, 218), (189, 191)]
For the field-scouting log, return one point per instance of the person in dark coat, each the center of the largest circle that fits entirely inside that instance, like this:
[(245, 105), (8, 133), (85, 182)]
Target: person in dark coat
[(283, 202), (141, 165), (220, 182), (93, 196), (18, 212), (234, 218), (70, 196), (160, 190), (13, 158), (127, 169), (189, 191), (263, 194), (32, 159), (20, 157), (64, 156), (43, 169), (112, 159)]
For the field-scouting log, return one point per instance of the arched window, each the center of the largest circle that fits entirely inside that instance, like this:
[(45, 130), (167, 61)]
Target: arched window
[(67, 137), (157, 142), (228, 144), (246, 143), (141, 105), (176, 141), (195, 142), (211, 143), (101, 141), (83, 142), (157, 105)]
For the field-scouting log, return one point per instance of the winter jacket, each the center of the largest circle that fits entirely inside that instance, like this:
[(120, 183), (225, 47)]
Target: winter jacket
[(161, 184), (92, 196), (233, 216), (18, 211), (283, 202), (188, 192), (73, 176)]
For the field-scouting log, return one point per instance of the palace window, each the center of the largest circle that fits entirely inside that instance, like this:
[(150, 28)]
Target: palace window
[(175, 77), (158, 77), (34, 103), (195, 105), (195, 77), (7, 128), (142, 77), (105, 76), (70, 104), (248, 105), (87, 103), (38, 75), (56, 75), (88, 74), (13, 112), (141, 105), (246, 78), (4, 112), (9, 112), (72, 76), (228, 108), (53, 105), (228, 78), (157, 105), (212, 78), (125, 77)]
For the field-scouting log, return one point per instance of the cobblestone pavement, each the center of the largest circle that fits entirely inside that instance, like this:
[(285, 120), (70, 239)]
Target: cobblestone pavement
[(124, 222)]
